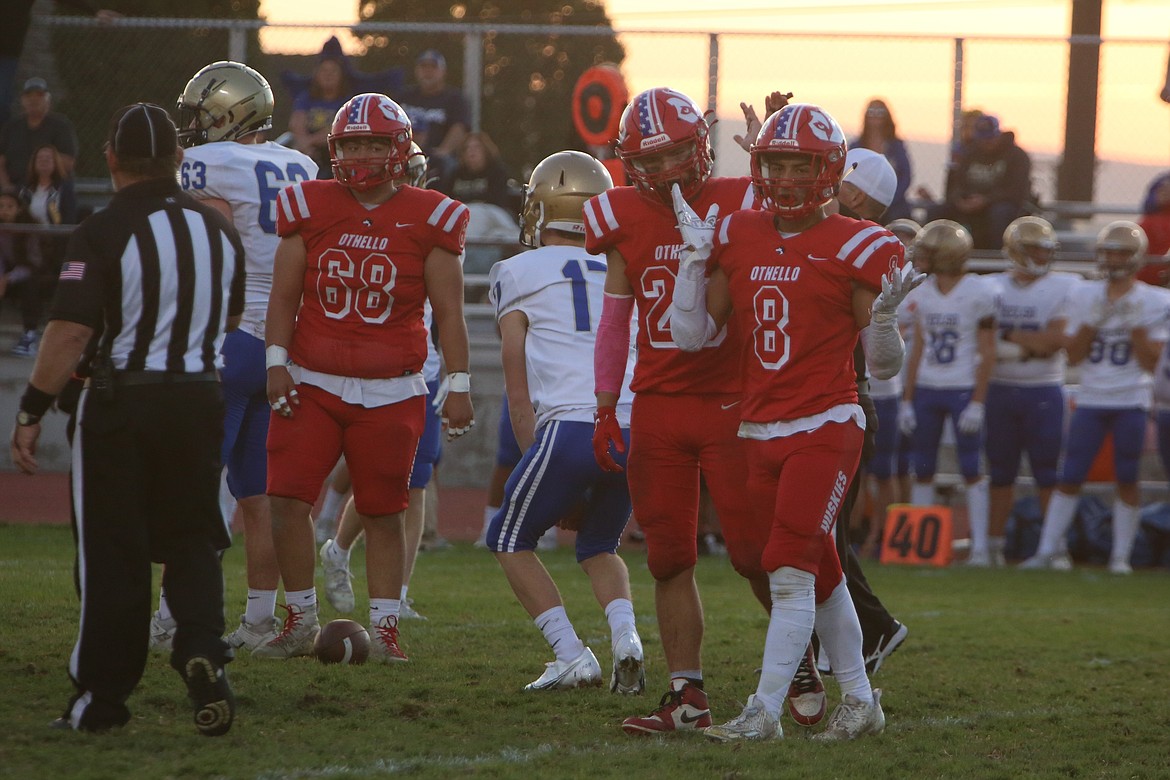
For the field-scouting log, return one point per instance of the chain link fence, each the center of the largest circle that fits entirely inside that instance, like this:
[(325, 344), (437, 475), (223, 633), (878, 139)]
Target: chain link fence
[(93, 69)]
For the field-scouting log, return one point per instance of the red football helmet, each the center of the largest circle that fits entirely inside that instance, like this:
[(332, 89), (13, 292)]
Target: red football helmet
[(370, 115), (799, 128), (663, 139)]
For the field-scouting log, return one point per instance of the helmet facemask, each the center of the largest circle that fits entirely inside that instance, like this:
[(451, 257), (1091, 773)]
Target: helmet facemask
[(788, 194), (369, 166)]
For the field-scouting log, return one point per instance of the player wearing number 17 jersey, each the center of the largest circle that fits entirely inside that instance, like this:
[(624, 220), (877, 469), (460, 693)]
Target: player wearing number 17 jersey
[(804, 284), (346, 345), (685, 407), (224, 112)]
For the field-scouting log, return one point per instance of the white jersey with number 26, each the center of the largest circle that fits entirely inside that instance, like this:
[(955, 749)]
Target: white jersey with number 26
[(248, 177), (560, 290), (949, 324)]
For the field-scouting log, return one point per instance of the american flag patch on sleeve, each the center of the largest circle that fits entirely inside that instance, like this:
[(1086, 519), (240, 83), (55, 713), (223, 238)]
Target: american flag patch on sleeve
[(72, 270)]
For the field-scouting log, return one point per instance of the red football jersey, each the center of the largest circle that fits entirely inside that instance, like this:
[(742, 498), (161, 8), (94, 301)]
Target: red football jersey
[(362, 310), (794, 294), (646, 234)]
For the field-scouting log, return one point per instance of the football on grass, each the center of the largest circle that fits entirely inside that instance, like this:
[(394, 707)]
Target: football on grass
[(342, 642)]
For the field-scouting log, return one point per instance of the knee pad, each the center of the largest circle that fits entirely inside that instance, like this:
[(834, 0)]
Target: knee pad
[(789, 583)]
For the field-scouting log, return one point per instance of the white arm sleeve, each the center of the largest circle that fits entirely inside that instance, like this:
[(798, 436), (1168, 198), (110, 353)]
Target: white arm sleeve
[(884, 349), (690, 324)]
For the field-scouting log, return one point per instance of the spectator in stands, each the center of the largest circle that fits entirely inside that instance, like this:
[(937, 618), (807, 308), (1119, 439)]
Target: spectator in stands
[(34, 128), (17, 16), (1155, 221), (480, 176), (879, 133), (48, 190), (315, 106), (439, 114), (989, 186), (14, 268)]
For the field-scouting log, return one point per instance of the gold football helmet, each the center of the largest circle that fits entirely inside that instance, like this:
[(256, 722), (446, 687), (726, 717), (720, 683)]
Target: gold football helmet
[(555, 195), (1030, 243), (222, 102), (416, 168), (942, 247), (1121, 249), (905, 229)]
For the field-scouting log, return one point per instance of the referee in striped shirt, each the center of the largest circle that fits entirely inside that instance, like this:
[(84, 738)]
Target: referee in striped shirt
[(156, 279)]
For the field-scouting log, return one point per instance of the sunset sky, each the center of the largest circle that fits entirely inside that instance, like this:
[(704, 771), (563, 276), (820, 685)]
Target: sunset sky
[(908, 62)]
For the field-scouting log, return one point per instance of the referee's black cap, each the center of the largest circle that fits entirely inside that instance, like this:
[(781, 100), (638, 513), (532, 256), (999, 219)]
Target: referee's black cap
[(143, 130)]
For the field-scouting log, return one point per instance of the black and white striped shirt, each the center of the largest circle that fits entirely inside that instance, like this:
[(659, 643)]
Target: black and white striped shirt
[(156, 275)]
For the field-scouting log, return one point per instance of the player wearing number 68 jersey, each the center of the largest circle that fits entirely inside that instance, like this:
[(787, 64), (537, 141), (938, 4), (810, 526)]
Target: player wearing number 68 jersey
[(358, 258), (949, 366)]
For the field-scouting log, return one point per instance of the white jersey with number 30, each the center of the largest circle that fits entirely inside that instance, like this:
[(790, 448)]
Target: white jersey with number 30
[(560, 291), (248, 177)]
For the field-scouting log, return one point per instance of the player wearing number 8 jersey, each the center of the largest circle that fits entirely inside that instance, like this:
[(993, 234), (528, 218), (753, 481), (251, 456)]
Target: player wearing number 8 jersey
[(357, 259), (685, 405), (804, 284)]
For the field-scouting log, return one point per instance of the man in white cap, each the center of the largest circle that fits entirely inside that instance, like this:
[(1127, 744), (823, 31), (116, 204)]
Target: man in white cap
[(869, 184)]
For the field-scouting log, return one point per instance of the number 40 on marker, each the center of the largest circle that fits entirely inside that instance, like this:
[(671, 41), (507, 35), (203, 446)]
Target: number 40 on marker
[(918, 535)]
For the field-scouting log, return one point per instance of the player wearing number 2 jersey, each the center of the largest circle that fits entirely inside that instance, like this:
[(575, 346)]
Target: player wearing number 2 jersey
[(803, 284), (230, 166), (685, 407), (346, 345)]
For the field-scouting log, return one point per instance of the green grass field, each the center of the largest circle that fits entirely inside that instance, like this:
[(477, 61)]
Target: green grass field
[(1005, 675)]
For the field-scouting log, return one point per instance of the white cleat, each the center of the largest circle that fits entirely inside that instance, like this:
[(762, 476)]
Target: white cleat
[(249, 636), (1061, 562), (295, 638), (162, 633), (1121, 568), (338, 588), (1038, 563), (979, 559), (629, 667), (754, 723), (582, 672), (854, 718)]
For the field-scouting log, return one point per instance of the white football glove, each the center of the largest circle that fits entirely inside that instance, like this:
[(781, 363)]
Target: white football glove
[(971, 418), (896, 285), (907, 421), (697, 234)]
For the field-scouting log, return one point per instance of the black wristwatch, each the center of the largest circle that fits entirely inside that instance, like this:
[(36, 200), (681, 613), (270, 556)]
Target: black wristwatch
[(25, 418)]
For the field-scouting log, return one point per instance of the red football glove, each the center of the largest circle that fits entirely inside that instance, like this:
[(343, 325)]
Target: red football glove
[(606, 431)]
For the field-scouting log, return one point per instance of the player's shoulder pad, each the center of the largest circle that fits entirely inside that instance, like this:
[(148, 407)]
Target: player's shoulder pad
[(739, 224), (441, 211), (859, 241), (606, 213), (733, 192)]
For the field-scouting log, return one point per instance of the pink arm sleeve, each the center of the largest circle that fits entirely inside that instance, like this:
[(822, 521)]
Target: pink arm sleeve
[(612, 349)]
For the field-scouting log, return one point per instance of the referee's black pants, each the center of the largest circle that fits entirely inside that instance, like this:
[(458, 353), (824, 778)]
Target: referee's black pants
[(146, 470)]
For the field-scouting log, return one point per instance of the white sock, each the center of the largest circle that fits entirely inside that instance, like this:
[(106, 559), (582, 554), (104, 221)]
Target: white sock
[(789, 631), (402, 595), (1062, 508), (384, 608), (558, 632), (164, 609), (305, 599), (261, 606), (997, 544), (683, 676), (840, 634), (1126, 520), (620, 614), (922, 494), (330, 506), (977, 516), (227, 502), (337, 553)]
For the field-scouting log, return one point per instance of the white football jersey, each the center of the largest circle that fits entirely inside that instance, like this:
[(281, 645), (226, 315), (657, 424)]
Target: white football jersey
[(1162, 379), (1033, 307), (560, 290), (248, 177), (1110, 374), (948, 325)]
